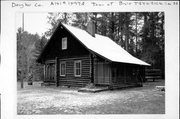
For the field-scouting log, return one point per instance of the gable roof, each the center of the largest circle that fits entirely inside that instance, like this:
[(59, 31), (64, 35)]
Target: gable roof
[(104, 46), (101, 45)]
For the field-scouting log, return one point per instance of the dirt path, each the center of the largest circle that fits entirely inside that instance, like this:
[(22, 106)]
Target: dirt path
[(47, 100)]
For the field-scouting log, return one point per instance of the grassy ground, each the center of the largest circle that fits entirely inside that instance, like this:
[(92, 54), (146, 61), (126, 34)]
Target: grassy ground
[(59, 100)]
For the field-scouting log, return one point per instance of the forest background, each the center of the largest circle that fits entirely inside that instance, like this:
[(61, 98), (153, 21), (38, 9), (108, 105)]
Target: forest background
[(139, 33)]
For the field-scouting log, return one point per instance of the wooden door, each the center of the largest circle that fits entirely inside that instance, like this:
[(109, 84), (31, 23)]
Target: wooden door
[(50, 72), (102, 75)]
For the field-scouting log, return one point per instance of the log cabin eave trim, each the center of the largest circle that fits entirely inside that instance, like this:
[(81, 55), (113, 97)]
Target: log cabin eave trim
[(138, 65)]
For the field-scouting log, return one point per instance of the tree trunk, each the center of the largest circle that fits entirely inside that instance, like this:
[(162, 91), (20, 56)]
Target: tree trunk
[(136, 32), (126, 32), (112, 25)]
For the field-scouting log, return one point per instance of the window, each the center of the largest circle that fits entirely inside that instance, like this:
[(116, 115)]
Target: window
[(64, 43), (62, 68), (77, 68)]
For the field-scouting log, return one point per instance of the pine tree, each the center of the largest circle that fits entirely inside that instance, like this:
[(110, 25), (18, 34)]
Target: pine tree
[(54, 19), (37, 68)]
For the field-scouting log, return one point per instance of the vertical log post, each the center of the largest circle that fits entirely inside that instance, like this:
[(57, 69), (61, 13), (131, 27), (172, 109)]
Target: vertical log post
[(22, 82), (21, 76), (125, 74), (143, 74), (92, 68), (111, 78), (57, 71), (140, 73), (44, 73)]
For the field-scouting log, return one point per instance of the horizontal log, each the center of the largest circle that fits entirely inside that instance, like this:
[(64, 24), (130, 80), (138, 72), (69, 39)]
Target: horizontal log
[(75, 58), (153, 77), (74, 84), (152, 70)]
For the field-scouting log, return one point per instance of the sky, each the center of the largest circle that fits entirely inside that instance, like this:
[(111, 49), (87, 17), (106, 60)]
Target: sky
[(33, 22)]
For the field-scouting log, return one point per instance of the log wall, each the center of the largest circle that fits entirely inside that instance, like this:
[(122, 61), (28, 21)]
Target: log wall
[(69, 79), (123, 75)]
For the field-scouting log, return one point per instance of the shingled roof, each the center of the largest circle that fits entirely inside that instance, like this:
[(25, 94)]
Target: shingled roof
[(103, 46)]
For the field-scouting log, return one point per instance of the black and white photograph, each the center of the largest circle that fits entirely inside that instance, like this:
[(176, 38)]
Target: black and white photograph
[(91, 63), (0, 105), (89, 59)]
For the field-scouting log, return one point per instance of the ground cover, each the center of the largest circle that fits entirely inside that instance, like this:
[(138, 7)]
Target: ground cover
[(61, 100)]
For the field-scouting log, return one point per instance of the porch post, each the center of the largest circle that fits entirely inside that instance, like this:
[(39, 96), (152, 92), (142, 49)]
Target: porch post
[(57, 71), (92, 68), (125, 74), (143, 74), (111, 78), (44, 72)]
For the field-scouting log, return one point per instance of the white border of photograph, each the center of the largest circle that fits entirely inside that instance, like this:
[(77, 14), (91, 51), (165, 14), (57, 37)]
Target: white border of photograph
[(8, 88)]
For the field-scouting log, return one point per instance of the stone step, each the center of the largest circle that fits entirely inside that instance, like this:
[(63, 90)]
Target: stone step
[(93, 90)]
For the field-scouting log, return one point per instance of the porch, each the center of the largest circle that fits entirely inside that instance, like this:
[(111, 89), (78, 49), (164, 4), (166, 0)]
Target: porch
[(113, 75)]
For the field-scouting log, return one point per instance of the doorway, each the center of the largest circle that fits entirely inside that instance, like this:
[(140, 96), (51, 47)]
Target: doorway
[(50, 72), (103, 73)]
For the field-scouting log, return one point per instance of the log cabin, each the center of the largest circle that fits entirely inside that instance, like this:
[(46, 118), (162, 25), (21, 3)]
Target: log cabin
[(76, 57)]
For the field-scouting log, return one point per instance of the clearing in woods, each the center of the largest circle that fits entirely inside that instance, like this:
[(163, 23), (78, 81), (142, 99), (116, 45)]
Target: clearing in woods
[(60, 100)]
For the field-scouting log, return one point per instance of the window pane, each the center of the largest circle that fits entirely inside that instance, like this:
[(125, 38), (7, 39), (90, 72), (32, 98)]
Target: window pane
[(77, 68), (62, 69), (76, 71), (76, 65), (63, 66), (79, 65), (63, 72), (64, 43)]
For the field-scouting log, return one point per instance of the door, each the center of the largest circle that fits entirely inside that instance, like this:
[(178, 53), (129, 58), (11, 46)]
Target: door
[(50, 74), (103, 75)]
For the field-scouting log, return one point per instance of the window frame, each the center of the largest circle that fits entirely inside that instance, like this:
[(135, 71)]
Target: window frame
[(63, 62), (64, 45), (75, 68)]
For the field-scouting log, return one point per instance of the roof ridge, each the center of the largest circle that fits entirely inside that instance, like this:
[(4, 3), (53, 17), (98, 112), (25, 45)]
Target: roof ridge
[(82, 29), (73, 26)]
